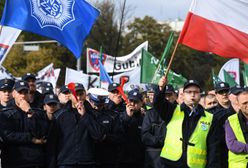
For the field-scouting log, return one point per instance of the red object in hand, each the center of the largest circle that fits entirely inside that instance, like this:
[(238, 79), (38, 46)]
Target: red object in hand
[(120, 88), (71, 87)]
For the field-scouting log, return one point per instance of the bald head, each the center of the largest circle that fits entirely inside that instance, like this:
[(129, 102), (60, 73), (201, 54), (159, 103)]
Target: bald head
[(243, 102)]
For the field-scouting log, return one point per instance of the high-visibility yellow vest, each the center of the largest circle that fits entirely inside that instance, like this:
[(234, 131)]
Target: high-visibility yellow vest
[(237, 160), (197, 150)]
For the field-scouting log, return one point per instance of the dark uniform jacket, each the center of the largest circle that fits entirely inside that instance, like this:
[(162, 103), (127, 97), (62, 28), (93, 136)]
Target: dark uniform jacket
[(17, 132), (153, 133), (132, 150), (166, 110), (38, 100), (108, 149), (221, 114), (73, 136), (110, 105)]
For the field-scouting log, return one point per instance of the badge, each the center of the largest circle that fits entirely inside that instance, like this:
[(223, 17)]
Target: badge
[(204, 126)]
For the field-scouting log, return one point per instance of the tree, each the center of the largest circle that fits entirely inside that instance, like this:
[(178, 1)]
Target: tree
[(2, 2), (147, 29)]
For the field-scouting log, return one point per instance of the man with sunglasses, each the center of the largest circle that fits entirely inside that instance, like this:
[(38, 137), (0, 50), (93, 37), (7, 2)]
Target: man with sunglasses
[(35, 97), (221, 112), (190, 139), (23, 131), (170, 94)]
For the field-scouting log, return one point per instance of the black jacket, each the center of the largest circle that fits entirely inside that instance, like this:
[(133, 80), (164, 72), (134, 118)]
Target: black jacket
[(132, 150), (166, 110), (221, 114), (153, 133), (38, 100), (107, 150), (111, 106), (74, 136), (17, 133)]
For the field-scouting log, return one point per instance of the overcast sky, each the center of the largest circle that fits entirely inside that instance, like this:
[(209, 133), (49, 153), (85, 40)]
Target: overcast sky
[(161, 10)]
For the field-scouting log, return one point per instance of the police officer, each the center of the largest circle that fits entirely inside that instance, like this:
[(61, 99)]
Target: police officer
[(115, 101), (132, 149), (23, 129), (51, 106), (170, 94), (190, 139), (75, 131), (64, 95), (232, 95), (221, 112), (236, 129), (6, 86), (107, 150), (35, 97), (153, 133)]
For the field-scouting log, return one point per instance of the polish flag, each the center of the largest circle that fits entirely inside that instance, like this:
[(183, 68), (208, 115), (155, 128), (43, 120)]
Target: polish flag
[(218, 26)]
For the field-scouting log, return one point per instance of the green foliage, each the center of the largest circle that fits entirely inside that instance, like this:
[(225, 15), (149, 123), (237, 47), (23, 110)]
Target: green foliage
[(105, 31), (147, 29), (2, 2)]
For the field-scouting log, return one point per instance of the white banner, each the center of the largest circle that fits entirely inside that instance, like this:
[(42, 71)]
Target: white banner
[(123, 63), (5, 74), (48, 74), (232, 67), (8, 36), (90, 81)]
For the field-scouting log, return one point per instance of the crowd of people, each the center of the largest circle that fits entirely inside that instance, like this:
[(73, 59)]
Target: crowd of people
[(96, 128)]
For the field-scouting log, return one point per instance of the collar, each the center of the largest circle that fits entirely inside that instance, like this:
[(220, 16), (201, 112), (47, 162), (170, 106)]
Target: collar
[(199, 110)]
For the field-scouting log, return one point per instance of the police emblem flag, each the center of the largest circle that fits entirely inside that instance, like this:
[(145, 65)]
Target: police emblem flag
[(67, 21)]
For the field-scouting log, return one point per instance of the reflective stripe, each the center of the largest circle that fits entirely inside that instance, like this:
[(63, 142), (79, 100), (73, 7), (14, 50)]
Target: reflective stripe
[(197, 151), (237, 160)]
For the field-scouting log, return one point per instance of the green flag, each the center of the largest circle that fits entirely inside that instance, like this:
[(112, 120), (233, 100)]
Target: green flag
[(149, 65), (162, 63), (177, 80), (215, 78), (229, 79), (245, 74)]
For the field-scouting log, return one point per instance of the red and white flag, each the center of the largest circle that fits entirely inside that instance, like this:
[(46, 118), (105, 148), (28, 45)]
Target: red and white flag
[(8, 36), (218, 26)]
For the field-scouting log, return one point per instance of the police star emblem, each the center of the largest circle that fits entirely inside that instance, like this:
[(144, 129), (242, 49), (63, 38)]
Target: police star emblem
[(53, 13)]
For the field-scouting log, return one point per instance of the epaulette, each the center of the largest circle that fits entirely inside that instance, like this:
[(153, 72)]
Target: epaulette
[(7, 109), (37, 109), (58, 113)]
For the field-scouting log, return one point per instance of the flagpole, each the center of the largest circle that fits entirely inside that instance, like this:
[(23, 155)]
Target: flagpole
[(118, 37), (1, 29), (100, 59), (171, 59)]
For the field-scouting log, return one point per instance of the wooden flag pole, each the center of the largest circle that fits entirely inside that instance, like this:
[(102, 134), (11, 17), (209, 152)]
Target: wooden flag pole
[(171, 59), (1, 29)]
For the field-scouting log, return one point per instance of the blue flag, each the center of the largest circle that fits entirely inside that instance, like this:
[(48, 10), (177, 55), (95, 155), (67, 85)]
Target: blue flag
[(104, 77), (67, 21)]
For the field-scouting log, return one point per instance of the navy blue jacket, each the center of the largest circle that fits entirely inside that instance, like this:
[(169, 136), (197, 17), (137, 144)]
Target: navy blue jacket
[(17, 132), (74, 135), (107, 150)]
